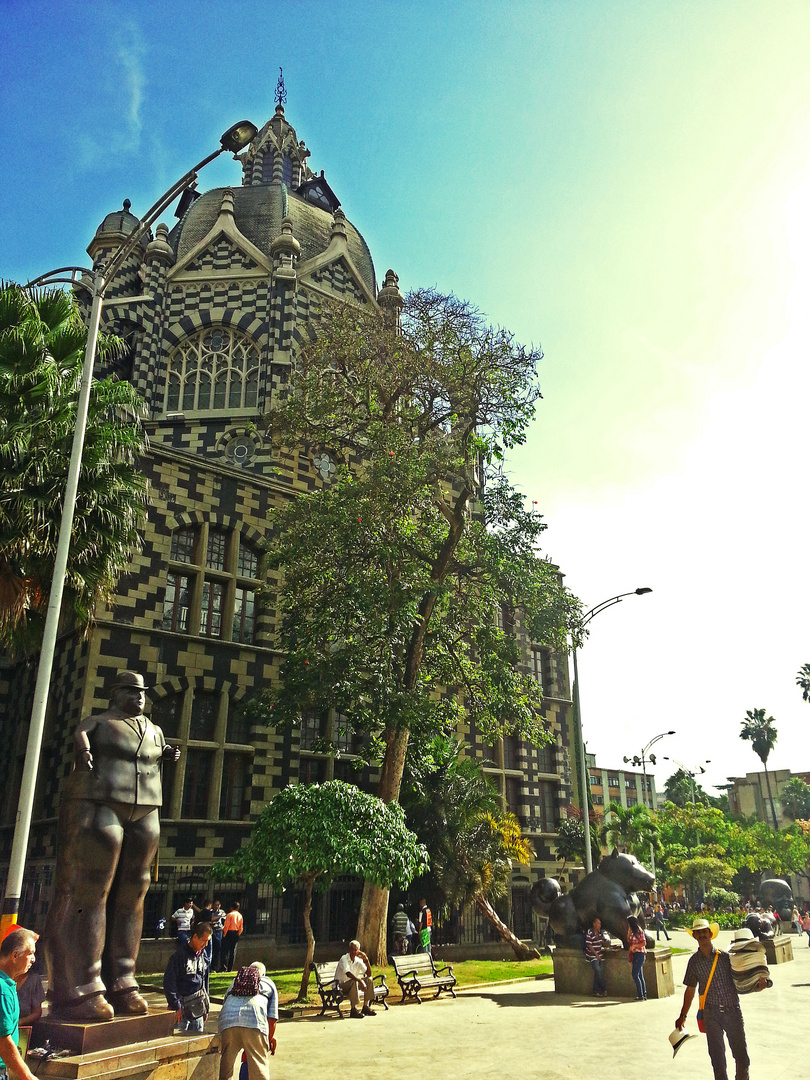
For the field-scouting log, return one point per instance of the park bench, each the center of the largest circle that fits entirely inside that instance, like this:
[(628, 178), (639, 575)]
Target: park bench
[(332, 995), (417, 973)]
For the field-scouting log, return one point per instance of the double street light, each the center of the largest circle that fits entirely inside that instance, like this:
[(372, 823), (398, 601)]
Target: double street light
[(698, 770), (642, 759), (586, 618), (236, 138)]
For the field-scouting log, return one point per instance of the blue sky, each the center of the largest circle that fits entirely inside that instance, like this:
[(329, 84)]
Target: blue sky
[(625, 182)]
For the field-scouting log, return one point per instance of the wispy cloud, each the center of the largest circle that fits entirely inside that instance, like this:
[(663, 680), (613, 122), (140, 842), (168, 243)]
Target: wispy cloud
[(124, 79)]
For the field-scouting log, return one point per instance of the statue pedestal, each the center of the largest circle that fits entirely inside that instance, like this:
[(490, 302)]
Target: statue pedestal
[(574, 975), (88, 1038), (165, 1059), (778, 950)]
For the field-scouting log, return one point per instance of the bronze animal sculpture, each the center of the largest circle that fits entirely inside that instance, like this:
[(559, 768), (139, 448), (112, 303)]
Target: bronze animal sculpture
[(609, 892)]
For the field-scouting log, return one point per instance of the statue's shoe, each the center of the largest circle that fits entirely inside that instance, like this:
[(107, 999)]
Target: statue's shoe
[(88, 1010), (129, 1003)]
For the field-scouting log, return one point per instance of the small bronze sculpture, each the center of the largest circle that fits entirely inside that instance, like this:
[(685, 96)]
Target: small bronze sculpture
[(609, 892), (106, 843)]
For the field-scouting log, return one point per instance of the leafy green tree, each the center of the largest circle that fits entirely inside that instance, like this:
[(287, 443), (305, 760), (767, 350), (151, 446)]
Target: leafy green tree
[(631, 829), (42, 341), (681, 788), (570, 839), (803, 681), (411, 570), (471, 841), (312, 832), (760, 732), (795, 799), (722, 898)]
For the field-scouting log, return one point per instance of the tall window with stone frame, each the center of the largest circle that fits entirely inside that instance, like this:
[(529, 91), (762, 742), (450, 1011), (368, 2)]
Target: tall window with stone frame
[(211, 781), (211, 584), (214, 370), (329, 749)]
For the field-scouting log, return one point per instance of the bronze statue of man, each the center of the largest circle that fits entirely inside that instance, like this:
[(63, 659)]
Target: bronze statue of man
[(106, 843)]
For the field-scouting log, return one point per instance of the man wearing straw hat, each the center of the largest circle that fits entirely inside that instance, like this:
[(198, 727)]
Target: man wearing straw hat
[(709, 969)]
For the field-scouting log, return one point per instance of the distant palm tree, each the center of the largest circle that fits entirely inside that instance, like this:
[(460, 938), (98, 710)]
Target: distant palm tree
[(760, 732), (629, 828), (803, 680)]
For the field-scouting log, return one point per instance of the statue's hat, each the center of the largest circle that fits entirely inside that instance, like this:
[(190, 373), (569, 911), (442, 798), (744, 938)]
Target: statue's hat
[(128, 679)]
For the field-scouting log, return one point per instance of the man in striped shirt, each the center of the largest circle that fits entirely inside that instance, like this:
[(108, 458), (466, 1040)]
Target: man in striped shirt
[(595, 940), (721, 1011)]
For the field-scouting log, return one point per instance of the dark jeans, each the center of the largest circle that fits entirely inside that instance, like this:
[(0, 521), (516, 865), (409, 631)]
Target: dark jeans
[(229, 943), (730, 1021), (598, 975), (637, 971), (660, 929), (216, 949)]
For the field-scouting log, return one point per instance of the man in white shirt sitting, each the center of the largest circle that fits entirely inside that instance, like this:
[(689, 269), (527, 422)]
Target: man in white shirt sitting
[(352, 973)]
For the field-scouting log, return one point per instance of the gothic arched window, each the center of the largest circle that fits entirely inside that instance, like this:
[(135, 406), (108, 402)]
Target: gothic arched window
[(215, 370)]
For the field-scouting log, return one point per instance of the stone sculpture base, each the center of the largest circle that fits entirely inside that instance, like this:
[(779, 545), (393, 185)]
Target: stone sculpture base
[(574, 975), (190, 1057), (84, 1038), (778, 950)]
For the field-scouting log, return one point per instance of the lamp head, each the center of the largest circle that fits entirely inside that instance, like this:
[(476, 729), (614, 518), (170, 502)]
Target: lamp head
[(237, 137), (641, 592)]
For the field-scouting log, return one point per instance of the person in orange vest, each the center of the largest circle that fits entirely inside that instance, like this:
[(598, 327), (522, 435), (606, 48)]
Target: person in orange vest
[(425, 925), (232, 930)]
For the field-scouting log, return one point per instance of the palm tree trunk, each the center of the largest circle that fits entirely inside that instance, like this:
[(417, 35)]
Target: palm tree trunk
[(521, 951), (770, 796), (309, 881)]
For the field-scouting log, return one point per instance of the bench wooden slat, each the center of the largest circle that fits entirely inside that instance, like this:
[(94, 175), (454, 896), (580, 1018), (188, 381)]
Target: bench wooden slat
[(418, 972)]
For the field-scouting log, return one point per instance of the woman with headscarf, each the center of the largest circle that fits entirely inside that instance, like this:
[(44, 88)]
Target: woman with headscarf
[(247, 1021)]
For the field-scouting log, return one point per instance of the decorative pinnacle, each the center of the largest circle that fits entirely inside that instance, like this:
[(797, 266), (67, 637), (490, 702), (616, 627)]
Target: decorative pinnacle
[(281, 93)]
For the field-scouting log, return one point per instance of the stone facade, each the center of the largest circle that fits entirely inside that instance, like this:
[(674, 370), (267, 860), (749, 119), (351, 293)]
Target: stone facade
[(212, 312)]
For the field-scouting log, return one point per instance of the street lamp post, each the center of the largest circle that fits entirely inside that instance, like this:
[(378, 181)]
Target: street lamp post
[(642, 759), (586, 618), (235, 139)]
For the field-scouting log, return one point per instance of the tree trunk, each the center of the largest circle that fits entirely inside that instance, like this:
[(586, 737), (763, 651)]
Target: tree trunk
[(770, 796), (372, 923), (521, 951), (302, 990)]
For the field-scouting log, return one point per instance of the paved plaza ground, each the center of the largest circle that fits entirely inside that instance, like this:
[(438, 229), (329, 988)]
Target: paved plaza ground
[(524, 1029)]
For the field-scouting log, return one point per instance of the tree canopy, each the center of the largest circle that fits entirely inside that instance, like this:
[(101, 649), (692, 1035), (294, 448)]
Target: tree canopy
[(631, 829), (795, 799), (403, 580), (42, 341), (313, 832)]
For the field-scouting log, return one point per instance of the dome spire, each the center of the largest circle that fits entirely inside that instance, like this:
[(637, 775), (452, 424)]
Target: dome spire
[(281, 92)]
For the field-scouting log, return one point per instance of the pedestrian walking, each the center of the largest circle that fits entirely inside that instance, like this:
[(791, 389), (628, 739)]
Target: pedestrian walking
[(660, 923), (806, 925), (719, 1012)]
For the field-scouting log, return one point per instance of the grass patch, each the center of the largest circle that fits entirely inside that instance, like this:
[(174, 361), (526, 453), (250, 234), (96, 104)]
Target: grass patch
[(467, 972)]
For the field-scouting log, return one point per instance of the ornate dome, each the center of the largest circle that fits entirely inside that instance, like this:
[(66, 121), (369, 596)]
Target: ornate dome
[(119, 225), (258, 212)]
